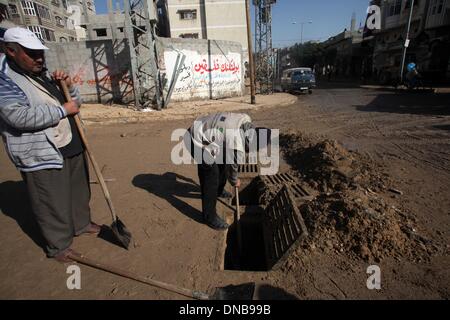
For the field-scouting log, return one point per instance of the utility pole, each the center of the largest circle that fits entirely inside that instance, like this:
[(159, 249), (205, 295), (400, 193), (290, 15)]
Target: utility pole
[(264, 53), (140, 21), (250, 54), (406, 45), (301, 34)]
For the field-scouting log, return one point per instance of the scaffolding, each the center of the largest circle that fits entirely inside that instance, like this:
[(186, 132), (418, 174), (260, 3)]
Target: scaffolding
[(264, 53), (140, 23)]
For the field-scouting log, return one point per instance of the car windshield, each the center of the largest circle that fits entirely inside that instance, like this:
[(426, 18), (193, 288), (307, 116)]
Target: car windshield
[(302, 72)]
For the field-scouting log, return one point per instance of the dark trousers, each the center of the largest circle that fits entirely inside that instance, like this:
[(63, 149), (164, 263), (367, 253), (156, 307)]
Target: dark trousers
[(212, 183), (60, 202)]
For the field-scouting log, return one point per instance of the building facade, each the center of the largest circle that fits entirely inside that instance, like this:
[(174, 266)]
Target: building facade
[(209, 19), (343, 53), (429, 38), (112, 24), (48, 19)]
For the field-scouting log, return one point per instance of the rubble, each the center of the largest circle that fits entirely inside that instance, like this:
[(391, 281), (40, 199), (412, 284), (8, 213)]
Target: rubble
[(352, 215)]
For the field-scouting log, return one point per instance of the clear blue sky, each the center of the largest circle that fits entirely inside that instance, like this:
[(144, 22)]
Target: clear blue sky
[(329, 17)]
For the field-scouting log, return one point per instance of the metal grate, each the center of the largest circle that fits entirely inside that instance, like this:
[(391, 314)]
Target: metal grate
[(248, 170), (283, 226), (285, 178)]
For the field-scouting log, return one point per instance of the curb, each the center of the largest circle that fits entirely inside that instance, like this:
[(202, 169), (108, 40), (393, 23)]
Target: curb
[(174, 117)]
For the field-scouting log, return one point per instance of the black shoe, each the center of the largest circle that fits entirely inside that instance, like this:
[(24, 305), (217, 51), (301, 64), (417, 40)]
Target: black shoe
[(225, 195), (217, 223)]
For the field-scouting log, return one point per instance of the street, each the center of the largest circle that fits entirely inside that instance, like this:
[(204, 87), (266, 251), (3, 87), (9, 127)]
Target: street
[(405, 137)]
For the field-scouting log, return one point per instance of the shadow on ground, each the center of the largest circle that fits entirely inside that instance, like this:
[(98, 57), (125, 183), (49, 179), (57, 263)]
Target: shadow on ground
[(268, 292), (14, 203), (442, 127), (410, 103), (172, 187)]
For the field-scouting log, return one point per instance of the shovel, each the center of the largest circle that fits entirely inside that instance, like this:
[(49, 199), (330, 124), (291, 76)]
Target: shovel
[(119, 230), (240, 292), (238, 223)]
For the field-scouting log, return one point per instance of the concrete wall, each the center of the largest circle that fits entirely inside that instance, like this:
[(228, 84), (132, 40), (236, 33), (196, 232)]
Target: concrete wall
[(211, 69), (103, 74)]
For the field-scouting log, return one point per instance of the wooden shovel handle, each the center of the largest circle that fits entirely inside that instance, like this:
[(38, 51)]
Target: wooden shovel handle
[(238, 223), (97, 170), (126, 274)]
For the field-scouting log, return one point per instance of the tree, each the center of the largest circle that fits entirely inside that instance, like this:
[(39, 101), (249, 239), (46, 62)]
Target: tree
[(307, 54)]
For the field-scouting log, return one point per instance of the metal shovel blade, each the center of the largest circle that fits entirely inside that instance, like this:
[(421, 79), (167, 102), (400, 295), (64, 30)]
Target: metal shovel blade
[(121, 233), (240, 292)]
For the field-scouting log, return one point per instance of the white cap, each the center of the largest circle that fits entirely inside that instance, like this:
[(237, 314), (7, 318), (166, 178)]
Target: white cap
[(24, 37)]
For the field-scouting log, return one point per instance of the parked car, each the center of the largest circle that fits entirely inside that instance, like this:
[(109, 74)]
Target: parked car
[(298, 79)]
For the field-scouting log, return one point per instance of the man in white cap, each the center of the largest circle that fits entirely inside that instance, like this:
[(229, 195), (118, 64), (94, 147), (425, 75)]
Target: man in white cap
[(42, 141)]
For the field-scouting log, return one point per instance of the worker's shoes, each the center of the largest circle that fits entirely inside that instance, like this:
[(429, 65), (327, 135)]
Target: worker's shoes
[(92, 228), (225, 195), (216, 223), (63, 256)]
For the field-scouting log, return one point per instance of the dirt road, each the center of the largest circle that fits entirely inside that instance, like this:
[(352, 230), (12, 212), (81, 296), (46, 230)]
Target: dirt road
[(405, 136)]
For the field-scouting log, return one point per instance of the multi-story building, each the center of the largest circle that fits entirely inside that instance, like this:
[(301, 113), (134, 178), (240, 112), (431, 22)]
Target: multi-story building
[(343, 51), (437, 28), (48, 19), (108, 26), (429, 38), (80, 10), (208, 19)]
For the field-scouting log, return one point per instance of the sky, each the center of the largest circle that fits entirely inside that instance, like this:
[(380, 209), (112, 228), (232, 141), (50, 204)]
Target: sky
[(329, 17)]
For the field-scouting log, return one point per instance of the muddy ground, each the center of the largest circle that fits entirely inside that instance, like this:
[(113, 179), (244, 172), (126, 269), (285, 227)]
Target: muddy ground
[(378, 163)]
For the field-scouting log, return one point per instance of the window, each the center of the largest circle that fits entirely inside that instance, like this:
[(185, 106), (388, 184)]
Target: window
[(395, 8), (101, 32), (59, 21), (189, 35), (37, 31), (62, 39), (64, 2), (49, 35), (13, 10), (28, 8), (120, 29), (43, 12), (440, 6), (55, 3), (437, 6), (43, 33), (72, 39), (408, 4), (3, 12), (188, 14)]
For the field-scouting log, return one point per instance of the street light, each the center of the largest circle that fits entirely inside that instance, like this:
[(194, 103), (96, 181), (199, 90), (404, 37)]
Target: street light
[(302, 23), (301, 37)]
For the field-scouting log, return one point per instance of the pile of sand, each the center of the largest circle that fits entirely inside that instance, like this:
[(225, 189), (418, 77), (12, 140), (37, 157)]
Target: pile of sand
[(353, 213)]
